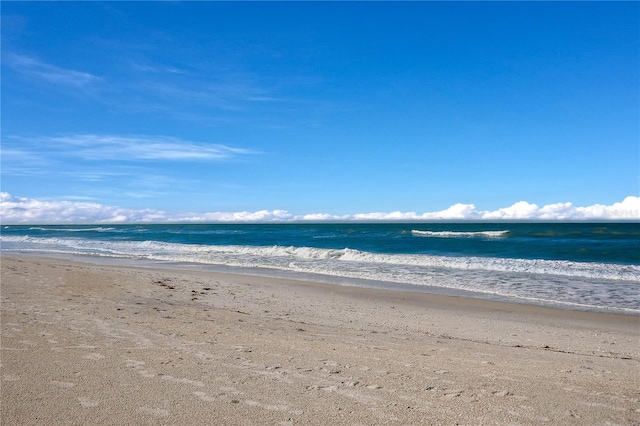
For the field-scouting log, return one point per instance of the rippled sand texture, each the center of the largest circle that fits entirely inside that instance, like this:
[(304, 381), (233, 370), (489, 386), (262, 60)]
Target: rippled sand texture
[(90, 344)]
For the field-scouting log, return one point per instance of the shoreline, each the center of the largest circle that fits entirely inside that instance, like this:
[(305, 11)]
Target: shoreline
[(332, 280), (85, 341)]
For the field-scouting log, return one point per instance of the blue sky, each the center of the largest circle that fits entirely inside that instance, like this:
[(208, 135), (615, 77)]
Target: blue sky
[(127, 111)]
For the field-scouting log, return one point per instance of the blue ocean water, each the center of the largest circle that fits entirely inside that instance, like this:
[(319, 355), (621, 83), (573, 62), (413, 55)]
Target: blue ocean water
[(573, 265)]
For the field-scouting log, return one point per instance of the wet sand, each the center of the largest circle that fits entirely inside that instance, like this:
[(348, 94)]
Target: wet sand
[(105, 345)]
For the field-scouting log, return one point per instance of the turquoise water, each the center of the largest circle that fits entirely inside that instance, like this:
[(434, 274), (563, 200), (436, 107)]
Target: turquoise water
[(575, 265)]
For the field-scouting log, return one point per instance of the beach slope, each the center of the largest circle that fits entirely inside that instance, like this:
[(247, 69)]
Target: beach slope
[(94, 344)]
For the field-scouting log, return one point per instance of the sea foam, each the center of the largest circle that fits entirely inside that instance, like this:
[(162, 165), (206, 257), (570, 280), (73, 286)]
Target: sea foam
[(579, 284), (460, 234)]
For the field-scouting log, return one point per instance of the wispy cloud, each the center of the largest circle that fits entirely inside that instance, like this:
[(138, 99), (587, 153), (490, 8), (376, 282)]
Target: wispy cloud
[(227, 93), (133, 148), (198, 92), (157, 69), (23, 162), (28, 210), (32, 67), (211, 90)]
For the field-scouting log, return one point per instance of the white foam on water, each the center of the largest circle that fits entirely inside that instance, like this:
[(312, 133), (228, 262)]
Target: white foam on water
[(460, 234), (97, 229), (580, 284)]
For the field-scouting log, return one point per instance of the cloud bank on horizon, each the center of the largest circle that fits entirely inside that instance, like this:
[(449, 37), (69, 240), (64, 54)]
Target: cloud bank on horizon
[(19, 210)]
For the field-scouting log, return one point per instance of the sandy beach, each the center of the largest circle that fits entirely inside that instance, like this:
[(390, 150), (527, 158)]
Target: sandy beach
[(104, 345)]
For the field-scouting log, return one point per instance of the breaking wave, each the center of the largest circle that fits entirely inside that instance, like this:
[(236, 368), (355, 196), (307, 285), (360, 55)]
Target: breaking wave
[(460, 234), (98, 229), (596, 285), (273, 256)]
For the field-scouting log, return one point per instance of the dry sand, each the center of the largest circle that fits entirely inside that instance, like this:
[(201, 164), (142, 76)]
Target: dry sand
[(86, 344)]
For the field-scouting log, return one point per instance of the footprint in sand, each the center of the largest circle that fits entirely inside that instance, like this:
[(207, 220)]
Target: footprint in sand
[(137, 366), (87, 402), (183, 381), (155, 412), (266, 406), (202, 396), (63, 384), (230, 390), (452, 394), (94, 356)]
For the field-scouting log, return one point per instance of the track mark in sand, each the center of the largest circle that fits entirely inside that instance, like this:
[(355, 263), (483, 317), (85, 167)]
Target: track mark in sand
[(450, 394), (94, 356), (165, 283), (87, 402), (530, 416), (602, 405), (10, 377), (62, 384), (271, 407), (230, 390), (203, 396), (155, 412), (349, 393), (266, 406), (137, 366), (183, 381), (82, 346)]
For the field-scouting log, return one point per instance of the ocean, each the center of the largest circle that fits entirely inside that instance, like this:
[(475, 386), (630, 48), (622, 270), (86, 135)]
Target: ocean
[(584, 266)]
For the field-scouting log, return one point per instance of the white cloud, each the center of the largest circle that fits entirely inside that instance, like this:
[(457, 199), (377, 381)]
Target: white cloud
[(29, 210), (32, 67), (385, 216), (457, 211), (146, 148), (629, 208), (259, 216), (520, 210), (322, 217), (130, 148), (33, 211)]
